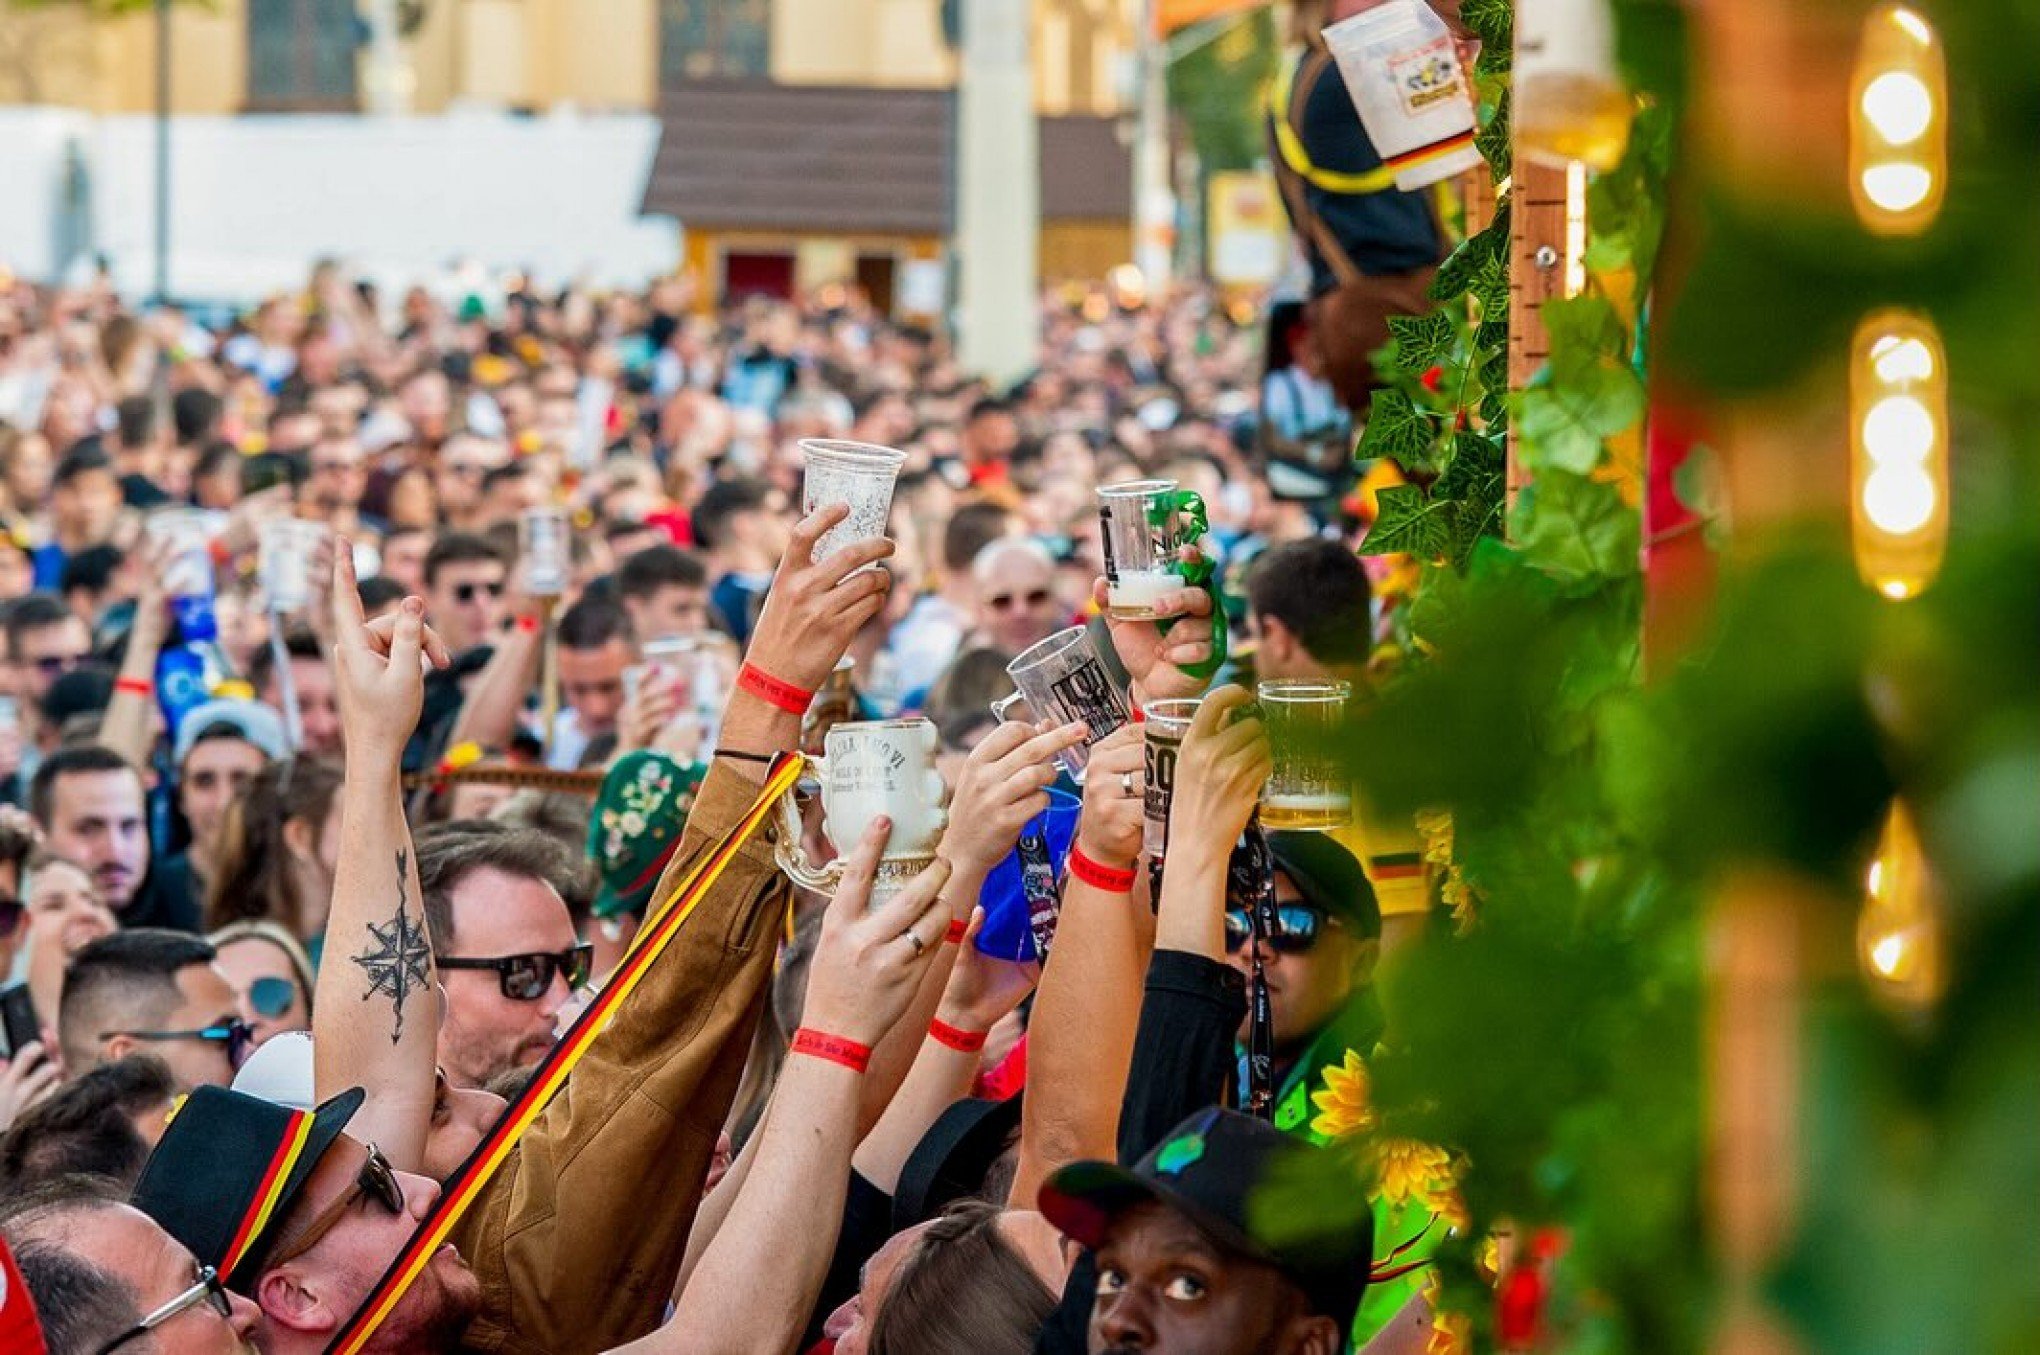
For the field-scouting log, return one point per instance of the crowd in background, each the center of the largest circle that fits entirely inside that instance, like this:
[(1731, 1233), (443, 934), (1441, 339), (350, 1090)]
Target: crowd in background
[(178, 878)]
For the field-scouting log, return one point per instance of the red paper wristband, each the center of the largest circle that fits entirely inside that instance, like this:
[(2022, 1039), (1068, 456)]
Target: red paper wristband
[(761, 684), (528, 624), (957, 927), (135, 685), (962, 1041), (1100, 876), (834, 1048)]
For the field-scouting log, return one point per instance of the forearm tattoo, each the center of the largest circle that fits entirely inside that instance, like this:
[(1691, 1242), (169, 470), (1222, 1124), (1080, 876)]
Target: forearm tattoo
[(395, 964)]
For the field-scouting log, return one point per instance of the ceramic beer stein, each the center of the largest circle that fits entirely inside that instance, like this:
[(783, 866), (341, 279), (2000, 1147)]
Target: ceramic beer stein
[(868, 769)]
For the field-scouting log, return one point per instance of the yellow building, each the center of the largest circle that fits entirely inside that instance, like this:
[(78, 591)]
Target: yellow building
[(766, 105)]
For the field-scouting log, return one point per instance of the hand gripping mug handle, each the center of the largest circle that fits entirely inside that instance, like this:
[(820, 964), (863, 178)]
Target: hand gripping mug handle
[(1199, 573), (788, 852)]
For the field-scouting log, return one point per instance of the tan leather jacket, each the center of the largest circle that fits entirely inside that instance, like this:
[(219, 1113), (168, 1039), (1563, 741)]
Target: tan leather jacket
[(579, 1237)]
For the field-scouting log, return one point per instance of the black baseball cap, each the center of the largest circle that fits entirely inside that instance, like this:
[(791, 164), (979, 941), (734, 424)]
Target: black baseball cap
[(1207, 1169), (228, 1169), (950, 1161), (1329, 877)]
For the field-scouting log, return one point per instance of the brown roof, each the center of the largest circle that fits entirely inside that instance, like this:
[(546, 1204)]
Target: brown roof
[(1086, 171), (737, 153), (748, 154)]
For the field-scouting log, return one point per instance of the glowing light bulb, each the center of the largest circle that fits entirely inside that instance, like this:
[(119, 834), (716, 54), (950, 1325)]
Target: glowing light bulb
[(1898, 932), (1914, 27), (1898, 430), (1900, 106), (1887, 954), (1898, 500), (1897, 188), (1901, 360)]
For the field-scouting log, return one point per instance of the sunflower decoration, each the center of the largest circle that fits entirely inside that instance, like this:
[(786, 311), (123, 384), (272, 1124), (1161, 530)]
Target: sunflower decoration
[(1345, 1104), (1434, 826)]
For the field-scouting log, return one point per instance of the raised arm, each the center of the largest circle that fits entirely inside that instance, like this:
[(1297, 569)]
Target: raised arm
[(489, 715), (1081, 1035), (376, 1022), (130, 724), (758, 1282)]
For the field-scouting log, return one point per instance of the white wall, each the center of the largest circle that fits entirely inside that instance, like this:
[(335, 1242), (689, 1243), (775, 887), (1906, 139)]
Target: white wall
[(255, 199)]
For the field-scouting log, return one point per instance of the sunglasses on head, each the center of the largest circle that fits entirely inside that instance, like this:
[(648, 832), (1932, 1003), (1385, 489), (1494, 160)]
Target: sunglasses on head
[(271, 997), (375, 1181), (235, 1034), (207, 1289), (467, 592), (525, 978), (1297, 926), (1006, 602)]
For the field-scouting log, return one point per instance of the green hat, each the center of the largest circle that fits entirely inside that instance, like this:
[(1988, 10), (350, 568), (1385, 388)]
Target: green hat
[(637, 821)]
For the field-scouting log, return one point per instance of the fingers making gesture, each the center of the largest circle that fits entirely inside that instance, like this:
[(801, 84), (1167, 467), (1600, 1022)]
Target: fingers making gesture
[(379, 666)]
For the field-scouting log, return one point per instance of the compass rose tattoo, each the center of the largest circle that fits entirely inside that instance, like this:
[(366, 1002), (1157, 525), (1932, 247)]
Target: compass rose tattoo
[(395, 964)]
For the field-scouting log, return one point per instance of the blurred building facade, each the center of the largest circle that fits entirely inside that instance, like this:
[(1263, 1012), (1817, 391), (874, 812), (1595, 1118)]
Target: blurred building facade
[(800, 140)]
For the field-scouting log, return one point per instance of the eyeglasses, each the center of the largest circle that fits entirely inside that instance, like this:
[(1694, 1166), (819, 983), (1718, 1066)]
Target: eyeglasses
[(375, 1181), (271, 997), (525, 978), (56, 665), (206, 1289), (1297, 926), (1006, 602), (237, 1035), (467, 592)]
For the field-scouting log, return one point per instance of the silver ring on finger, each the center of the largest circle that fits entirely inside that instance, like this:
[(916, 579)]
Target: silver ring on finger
[(920, 946), (1126, 784)]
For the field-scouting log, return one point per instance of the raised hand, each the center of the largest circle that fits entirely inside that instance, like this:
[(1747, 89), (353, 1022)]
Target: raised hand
[(1115, 788), (816, 607), (868, 965), (1003, 785), (1155, 660), (983, 989), (379, 666), (1219, 772)]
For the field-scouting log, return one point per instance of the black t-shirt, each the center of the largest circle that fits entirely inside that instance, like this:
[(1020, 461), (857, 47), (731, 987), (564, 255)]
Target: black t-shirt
[(1385, 232), (139, 491), (167, 898), (1182, 1062), (867, 1223)]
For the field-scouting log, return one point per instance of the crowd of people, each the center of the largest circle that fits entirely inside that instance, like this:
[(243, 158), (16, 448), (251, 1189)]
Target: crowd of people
[(286, 950)]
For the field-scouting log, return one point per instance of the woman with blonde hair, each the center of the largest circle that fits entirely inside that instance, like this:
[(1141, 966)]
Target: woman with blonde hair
[(270, 973)]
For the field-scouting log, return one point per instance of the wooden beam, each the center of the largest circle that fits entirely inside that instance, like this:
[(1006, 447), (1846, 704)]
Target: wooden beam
[(1537, 248)]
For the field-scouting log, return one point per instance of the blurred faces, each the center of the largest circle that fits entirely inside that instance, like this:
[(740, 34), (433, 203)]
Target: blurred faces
[(214, 774), (465, 603), (85, 506), (671, 612), (591, 684), (403, 559), (1016, 602), (338, 477), (97, 820), (457, 478), (65, 914), (248, 960), (485, 1034), (47, 653)]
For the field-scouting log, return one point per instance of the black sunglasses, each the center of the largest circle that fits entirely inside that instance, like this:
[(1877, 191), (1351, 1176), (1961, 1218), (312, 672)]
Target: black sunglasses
[(1005, 602), (55, 665), (271, 997), (12, 910), (207, 1289), (465, 592), (1297, 927), (237, 1035), (525, 978)]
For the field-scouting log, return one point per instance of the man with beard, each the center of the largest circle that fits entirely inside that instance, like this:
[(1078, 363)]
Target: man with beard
[(302, 1219), (88, 803)]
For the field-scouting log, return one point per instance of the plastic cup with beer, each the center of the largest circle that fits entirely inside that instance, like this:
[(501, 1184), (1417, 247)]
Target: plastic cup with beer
[(1148, 525), (1165, 724), (1308, 788)]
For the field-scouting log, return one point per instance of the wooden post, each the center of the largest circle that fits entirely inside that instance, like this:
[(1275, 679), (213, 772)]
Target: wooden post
[(1537, 255)]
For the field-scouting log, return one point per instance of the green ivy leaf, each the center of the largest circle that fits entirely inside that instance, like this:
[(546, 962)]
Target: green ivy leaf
[(1475, 480), (1563, 422), (1423, 341), (1398, 430), (1492, 141), (1577, 530), (1474, 253), (1584, 326), (1407, 522)]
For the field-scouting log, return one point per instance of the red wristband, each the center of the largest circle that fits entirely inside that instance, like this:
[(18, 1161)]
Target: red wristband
[(962, 1041), (528, 624), (769, 689), (136, 685), (1100, 876), (835, 1049), (957, 927)]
